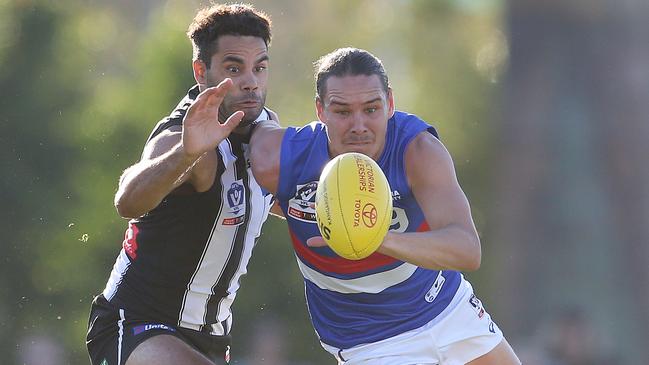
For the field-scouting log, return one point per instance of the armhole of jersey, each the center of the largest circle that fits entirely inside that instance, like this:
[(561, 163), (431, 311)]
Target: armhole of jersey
[(285, 159), (406, 144), (433, 131)]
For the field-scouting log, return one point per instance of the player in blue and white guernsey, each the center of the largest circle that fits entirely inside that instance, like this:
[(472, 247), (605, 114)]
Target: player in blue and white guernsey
[(407, 303), (196, 209)]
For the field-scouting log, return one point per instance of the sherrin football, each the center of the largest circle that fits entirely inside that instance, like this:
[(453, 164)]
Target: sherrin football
[(353, 205)]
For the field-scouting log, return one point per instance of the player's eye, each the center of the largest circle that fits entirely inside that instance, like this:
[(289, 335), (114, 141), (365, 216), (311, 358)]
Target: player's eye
[(232, 69), (370, 110), (261, 68)]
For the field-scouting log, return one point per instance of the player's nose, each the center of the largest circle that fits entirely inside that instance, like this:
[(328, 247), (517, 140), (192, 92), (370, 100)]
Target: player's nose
[(248, 81), (358, 123)]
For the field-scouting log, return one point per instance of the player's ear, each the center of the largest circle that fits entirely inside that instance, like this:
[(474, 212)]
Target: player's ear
[(319, 108), (200, 70), (390, 103)]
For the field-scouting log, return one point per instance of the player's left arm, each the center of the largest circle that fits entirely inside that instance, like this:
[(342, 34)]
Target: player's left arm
[(452, 242)]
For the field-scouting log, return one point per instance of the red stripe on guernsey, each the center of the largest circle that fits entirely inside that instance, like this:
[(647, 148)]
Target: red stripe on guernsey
[(338, 264)]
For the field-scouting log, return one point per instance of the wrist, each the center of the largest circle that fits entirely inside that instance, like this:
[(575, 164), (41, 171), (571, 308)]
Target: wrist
[(187, 158), (386, 245)]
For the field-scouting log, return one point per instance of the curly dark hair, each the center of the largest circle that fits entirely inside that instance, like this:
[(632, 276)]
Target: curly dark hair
[(225, 19)]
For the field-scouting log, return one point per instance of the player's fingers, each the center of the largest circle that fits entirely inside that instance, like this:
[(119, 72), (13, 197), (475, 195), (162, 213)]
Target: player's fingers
[(220, 90), (224, 86), (214, 95), (316, 241), (233, 121)]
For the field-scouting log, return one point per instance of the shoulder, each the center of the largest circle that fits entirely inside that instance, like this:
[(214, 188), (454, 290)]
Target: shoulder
[(174, 120), (308, 131), (426, 156), (303, 143), (426, 142), (411, 124), (162, 142)]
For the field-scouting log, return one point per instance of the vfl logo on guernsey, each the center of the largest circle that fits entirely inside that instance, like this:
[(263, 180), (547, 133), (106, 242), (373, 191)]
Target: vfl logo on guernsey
[(236, 203), (302, 205)]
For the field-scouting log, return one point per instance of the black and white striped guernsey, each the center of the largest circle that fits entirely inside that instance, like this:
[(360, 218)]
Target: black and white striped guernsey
[(182, 262)]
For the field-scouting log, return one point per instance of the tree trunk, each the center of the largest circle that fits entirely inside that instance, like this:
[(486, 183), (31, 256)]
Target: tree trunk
[(573, 202)]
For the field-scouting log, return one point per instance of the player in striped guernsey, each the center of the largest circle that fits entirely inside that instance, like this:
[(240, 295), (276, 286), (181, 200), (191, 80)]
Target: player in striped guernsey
[(195, 208), (407, 303)]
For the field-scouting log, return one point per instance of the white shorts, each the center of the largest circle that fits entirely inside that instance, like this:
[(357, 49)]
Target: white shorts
[(463, 332)]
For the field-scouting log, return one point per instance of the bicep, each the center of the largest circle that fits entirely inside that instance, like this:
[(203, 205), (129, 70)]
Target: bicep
[(202, 173), (435, 185), (154, 148), (161, 144)]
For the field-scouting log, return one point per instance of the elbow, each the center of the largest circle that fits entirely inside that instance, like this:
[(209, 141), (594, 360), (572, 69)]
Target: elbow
[(474, 259), (124, 209), (474, 262)]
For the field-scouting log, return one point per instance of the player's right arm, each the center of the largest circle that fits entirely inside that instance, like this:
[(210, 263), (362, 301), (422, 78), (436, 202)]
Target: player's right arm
[(265, 150), (164, 166), (177, 156)]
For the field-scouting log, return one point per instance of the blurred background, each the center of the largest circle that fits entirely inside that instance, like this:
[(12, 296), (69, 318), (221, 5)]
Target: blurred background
[(544, 106)]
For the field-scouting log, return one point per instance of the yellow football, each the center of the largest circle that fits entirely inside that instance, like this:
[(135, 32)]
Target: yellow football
[(353, 205)]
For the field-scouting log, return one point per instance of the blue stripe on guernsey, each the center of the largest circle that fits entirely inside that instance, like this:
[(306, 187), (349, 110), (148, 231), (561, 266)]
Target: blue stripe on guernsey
[(356, 302), (347, 320)]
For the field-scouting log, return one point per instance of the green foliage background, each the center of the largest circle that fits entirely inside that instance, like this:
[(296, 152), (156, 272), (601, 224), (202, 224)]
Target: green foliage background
[(82, 84)]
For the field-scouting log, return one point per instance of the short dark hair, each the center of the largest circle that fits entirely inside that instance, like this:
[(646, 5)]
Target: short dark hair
[(348, 62), (230, 19)]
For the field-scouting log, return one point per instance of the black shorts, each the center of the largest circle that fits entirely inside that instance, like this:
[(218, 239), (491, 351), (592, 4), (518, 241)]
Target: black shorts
[(114, 334)]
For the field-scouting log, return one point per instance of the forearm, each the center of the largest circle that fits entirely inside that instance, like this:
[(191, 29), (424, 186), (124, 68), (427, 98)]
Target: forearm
[(448, 248), (144, 185)]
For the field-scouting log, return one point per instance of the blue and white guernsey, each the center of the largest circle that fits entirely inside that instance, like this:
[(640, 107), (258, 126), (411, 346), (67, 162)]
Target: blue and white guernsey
[(364, 301)]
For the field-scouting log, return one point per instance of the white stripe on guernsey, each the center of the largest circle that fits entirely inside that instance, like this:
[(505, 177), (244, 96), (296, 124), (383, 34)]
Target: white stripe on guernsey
[(257, 214), (120, 325), (215, 255), (116, 275), (374, 283), (218, 251)]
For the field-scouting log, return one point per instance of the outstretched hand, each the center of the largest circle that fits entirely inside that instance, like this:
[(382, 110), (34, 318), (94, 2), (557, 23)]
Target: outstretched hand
[(316, 241), (202, 130)]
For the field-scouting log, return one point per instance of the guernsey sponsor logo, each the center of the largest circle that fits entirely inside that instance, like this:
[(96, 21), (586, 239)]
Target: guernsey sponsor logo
[(477, 306), (435, 289), (152, 326)]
